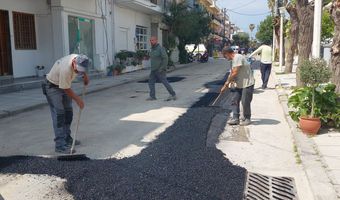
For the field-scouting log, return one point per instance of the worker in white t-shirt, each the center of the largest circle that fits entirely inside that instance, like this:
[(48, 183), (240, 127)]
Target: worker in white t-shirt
[(266, 63), (59, 95)]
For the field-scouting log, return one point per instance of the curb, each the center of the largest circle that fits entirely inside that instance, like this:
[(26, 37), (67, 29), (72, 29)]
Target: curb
[(9, 113), (315, 171)]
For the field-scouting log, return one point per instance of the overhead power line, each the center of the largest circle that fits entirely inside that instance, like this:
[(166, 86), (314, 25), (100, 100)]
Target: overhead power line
[(243, 5), (245, 14)]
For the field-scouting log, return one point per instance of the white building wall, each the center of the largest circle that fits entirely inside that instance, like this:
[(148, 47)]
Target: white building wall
[(126, 21), (97, 10), (51, 25), (24, 61)]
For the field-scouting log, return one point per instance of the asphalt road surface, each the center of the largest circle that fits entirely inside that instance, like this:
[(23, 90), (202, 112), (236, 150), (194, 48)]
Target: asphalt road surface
[(177, 165)]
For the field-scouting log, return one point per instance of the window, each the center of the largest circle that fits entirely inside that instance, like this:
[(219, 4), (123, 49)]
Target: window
[(24, 31), (141, 38)]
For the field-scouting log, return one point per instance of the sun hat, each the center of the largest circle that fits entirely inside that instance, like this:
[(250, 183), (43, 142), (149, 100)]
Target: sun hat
[(82, 62)]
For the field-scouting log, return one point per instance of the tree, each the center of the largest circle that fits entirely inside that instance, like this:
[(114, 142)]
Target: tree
[(251, 28), (189, 26), (264, 33), (327, 27), (305, 12), (293, 36), (335, 50), (241, 39)]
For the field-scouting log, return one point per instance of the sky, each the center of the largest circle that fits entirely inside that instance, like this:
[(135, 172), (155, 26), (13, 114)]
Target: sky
[(245, 12)]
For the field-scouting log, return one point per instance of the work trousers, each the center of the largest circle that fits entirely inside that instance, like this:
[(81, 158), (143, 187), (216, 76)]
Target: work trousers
[(244, 95), (61, 112), (265, 73), (161, 76)]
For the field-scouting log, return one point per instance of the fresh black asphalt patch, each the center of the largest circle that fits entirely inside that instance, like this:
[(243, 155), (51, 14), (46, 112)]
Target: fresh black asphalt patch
[(177, 165)]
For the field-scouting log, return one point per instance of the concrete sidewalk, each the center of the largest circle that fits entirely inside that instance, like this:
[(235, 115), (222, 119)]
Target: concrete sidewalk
[(273, 145), (319, 155), (265, 146), (25, 100)]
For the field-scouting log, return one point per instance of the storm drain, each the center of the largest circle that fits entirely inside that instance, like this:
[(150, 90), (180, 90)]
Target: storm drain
[(262, 187)]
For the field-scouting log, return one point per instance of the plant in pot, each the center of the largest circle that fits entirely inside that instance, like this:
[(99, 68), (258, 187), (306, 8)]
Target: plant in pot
[(140, 55), (306, 100), (118, 68), (122, 56)]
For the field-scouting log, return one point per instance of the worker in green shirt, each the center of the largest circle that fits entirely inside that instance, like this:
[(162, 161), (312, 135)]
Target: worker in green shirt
[(159, 63)]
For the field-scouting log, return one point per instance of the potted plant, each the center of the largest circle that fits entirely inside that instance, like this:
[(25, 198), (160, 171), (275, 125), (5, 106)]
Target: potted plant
[(122, 56), (140, 56), (306, 100)]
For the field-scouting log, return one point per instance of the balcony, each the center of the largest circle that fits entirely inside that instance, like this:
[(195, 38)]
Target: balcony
[(215, 23), (152, 7)]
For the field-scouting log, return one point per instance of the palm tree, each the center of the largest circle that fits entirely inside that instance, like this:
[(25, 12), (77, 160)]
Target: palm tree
[(251, 28)]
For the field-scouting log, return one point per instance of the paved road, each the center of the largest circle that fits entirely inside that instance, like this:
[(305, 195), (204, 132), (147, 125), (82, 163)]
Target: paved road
[(175, 165)]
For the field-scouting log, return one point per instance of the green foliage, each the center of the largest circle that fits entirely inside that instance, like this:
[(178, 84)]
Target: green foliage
[(119, 67), (123, 55), (313, 72), (189, 26), (315, 99), (241, 39), (170, 41), (327, 26), (140, 55), (326, 103), (265, 30)]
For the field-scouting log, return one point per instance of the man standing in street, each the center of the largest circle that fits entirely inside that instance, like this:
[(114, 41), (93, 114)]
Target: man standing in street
[(159, 63), (266, 62), (242, 75), (59, 95)]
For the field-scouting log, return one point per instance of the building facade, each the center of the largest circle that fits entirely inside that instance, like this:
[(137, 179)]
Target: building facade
[(38, 32), (135, 22)]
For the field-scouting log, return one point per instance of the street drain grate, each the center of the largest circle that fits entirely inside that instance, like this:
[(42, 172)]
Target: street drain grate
[(262, 187)]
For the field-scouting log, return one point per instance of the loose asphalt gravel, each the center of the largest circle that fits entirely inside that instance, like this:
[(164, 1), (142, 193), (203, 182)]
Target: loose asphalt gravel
[(177, 165)]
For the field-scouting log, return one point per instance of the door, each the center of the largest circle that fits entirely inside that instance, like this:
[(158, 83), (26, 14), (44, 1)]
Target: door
[(122, 42), (81, 36), (5, 45)]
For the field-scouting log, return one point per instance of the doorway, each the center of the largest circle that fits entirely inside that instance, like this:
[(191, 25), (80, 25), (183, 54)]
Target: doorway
[(81, 36), (5, 45)]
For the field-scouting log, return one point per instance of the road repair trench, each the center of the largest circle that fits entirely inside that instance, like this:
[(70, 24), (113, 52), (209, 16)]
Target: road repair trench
[(178, 165)]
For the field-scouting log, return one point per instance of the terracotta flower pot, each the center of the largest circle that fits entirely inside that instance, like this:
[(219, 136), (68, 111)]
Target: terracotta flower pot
[(309, 126)]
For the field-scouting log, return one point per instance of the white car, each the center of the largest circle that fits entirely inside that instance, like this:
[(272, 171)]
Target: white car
[(200, 49)]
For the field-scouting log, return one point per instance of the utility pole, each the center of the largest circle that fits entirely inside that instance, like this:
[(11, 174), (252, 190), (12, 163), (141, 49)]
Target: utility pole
[(224, 15), (274, 36), (282, 12), (317, 28)]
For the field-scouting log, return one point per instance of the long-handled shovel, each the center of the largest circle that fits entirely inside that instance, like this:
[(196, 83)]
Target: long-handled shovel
[(217, 98), (72, 156)]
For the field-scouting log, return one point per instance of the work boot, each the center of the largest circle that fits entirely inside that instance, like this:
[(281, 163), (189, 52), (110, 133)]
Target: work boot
[(171, 97), (246, 122), (233, 121), (69, 143), (151, 99)]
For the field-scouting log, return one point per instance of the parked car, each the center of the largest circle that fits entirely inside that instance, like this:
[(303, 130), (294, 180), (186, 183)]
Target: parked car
[(200, 49)]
